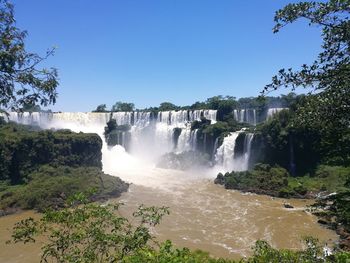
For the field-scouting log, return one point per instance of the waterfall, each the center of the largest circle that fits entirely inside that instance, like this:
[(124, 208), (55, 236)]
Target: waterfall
[(242, 115), (250, 116), (254, 117), (225, 155), (193, 139), (149, 137), (247, 150), (273, 111), (215, 148), (185, 143), (245, 116), (235, 115)]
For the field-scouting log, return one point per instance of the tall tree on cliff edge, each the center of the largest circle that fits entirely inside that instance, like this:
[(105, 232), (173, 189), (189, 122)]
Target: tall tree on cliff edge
[(329, 75), (22, 81)]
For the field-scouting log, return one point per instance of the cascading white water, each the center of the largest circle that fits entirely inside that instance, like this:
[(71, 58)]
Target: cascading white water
[(185, 142), (193, 139), (246, 151), (150, 136), (273, 111), (215, 148), (225, 154), (245, 116), (250, 116)]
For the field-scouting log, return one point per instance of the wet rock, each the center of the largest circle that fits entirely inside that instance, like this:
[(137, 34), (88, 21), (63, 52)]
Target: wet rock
[(289, 206), (322, 222), (9, 211), (219, 179), (345, 244), (342, 232)]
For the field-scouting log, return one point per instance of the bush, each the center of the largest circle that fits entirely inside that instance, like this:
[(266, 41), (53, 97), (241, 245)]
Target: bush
[(90, 232), (262, 179)]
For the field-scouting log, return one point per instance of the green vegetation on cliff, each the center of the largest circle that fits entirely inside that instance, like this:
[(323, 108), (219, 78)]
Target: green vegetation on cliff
[(300, 147), (40, 168), (208, 133), (24, 148), (276, 181)]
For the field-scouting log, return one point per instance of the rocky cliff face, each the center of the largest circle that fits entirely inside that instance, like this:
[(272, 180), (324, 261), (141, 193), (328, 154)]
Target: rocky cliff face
[(23, 149), (42, 168)]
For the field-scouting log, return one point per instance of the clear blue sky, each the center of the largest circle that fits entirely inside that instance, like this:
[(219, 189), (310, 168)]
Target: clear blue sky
[(150, 51)]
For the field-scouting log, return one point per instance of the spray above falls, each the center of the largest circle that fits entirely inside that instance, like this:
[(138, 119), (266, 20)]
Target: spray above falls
[(151, 135)]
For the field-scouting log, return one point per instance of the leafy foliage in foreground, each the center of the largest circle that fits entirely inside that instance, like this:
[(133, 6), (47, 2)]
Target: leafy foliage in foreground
[(90, 232), (22, 80), (313, 253), (329, 74)]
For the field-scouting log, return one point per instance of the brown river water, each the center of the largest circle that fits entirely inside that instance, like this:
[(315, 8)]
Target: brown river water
[(202, 216)]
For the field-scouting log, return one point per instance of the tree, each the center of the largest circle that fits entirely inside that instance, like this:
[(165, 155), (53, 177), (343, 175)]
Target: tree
[(31, 107), (166, 106), (213, 102), (101, 108), (21, 79), (198, 106), (123, 106), (329, 75), (90, 232)]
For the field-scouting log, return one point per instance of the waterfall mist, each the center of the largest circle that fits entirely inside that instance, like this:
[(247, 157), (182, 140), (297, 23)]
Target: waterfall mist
[(152, 135)]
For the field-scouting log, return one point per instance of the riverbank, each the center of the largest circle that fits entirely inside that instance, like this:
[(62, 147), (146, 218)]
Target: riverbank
[(276, 181), (330, 208)]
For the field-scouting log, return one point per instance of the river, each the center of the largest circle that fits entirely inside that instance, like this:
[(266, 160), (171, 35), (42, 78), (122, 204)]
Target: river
[(202, 216)]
